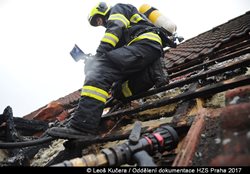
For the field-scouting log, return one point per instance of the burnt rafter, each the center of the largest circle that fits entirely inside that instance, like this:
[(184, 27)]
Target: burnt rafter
[(11, 132), (219, 49), (12, 136), (233, 46), (23, 126), (238, 64), (211, 62), (202, 92)]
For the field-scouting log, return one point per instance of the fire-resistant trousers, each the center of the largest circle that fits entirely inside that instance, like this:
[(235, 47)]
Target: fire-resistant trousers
[(116, 65)]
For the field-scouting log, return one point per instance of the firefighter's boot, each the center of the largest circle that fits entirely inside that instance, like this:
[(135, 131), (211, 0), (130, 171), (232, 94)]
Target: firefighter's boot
[(84, 123)]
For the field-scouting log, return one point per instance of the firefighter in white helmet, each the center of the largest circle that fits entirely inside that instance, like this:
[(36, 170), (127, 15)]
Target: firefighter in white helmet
[(128, 56)]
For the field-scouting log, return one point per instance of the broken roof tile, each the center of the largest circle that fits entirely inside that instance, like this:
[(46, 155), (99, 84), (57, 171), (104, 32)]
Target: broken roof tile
[(63, 101)]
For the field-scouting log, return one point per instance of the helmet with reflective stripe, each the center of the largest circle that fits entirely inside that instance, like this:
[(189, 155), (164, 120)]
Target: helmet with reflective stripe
[(101, 9)]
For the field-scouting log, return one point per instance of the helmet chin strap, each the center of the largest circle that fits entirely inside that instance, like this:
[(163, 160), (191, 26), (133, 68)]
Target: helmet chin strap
[(105, 23)]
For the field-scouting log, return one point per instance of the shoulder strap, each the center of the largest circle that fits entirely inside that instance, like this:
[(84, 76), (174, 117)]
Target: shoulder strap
[(147, 13)]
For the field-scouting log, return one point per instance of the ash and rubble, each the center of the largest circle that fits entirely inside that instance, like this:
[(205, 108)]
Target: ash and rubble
[(44, 155)]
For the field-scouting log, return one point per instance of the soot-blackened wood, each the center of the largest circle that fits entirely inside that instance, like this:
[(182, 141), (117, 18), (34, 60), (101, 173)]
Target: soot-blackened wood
[(201, 92), (184, 106), (192, 79)]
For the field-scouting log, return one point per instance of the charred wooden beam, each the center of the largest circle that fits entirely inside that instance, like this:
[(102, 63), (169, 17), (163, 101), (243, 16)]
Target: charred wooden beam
[(34, 142), (19, 156), (235, 45), (212, 54), (204, 75), (182, 110), (11, 132), (29, 127), (23, 156), (211, 62), (25, 127), (202, 92)]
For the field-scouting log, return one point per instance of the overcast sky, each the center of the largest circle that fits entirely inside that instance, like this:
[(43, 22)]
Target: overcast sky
[(36, 37)]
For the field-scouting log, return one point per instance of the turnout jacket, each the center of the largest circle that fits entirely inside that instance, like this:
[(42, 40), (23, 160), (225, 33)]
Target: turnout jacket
[(127, 53), (124, 26)]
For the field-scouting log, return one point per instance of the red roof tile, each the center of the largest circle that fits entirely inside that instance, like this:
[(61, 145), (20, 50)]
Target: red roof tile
[(50, 112)]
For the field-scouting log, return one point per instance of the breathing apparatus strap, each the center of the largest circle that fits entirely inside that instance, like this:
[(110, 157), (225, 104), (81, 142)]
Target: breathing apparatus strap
[(147, 13)]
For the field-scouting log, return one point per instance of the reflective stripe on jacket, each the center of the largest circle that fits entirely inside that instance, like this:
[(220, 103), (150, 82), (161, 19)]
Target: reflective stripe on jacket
[(123, 22)]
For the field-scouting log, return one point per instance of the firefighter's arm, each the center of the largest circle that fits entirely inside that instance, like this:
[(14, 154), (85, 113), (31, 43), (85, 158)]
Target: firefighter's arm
[(116, 23)]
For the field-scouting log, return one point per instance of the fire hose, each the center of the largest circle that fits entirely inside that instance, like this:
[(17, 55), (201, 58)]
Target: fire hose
[(136, 150)]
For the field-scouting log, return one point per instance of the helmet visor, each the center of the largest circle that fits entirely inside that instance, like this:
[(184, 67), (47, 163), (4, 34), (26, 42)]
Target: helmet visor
[(93, 20)]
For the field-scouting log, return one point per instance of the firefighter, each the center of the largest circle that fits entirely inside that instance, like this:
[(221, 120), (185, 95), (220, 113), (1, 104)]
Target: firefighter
[(128, 56)]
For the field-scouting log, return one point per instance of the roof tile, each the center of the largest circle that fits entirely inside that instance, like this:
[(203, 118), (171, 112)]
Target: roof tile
[(207, 42), (235, 116)]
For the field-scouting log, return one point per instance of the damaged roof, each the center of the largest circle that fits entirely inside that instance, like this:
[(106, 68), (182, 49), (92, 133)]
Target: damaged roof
[(207, 44), (207, 102)]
